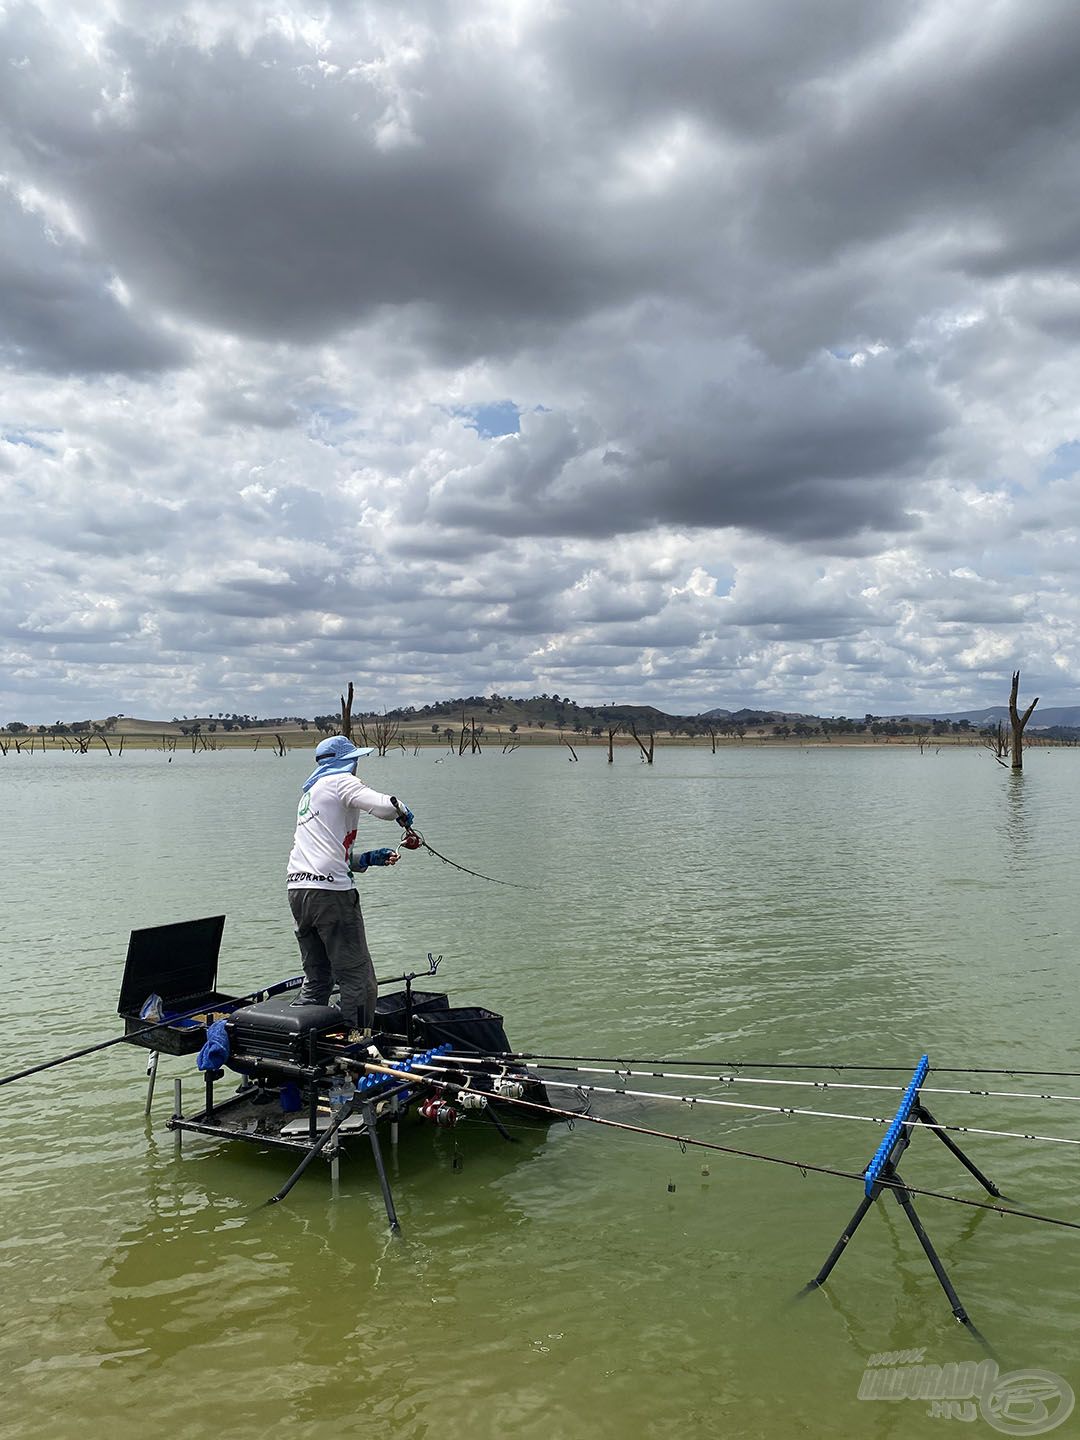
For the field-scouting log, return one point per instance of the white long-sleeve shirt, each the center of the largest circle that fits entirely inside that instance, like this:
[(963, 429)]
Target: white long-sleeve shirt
[(326, 821)]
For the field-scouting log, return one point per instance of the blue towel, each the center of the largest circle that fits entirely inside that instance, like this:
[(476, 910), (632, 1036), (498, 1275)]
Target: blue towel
[(215, 1052)]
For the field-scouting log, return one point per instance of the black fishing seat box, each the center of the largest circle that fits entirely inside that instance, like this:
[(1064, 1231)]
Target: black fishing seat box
[(178, 963), (279, 1029)]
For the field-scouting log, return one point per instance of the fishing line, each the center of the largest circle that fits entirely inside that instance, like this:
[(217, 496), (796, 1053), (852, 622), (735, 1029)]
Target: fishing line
[(413, 839), (514, 884)]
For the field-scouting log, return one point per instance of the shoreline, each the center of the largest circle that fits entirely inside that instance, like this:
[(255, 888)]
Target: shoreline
[(168, 738)]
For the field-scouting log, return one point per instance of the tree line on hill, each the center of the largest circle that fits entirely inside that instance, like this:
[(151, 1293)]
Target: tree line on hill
[(561, 713)]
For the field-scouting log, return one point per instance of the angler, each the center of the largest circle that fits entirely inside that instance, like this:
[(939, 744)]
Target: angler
[(322, 896)]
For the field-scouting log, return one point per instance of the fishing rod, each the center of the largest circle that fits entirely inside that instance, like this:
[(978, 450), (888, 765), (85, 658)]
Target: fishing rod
[(805, 1084), (414, 840), (692, 1100), (573, 1116), (622, 1062), (219, 1008)]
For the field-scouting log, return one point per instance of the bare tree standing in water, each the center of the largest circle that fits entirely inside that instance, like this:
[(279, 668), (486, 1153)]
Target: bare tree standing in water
[(1018, 722)]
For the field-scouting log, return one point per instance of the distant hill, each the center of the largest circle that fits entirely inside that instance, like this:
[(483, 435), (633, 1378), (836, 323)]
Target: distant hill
[(1048, 718), (755, 717), (1052, 717), (539, 710)]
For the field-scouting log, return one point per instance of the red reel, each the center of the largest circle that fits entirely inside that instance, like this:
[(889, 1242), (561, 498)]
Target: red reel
[(439, 1112)]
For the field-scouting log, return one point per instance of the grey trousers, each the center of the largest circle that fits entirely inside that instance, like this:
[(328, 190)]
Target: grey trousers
[(333, 947)]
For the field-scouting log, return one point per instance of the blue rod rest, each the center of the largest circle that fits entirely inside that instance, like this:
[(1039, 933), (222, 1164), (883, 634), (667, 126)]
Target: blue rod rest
[(373, 1082), (895, 1130)]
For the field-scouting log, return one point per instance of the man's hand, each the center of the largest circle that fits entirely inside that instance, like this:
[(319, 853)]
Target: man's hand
[(359, 863), (405, 817)]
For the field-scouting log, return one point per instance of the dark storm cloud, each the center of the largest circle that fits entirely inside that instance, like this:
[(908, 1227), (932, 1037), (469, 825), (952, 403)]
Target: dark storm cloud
[(809, 455), (740, 65), (249, 188), (57, 312), (972, 120)]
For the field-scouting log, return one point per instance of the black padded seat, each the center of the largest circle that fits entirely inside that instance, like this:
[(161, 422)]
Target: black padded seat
[(279, 1028)]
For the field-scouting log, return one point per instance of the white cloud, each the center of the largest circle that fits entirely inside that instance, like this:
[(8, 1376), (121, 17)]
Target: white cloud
[(787, 307)]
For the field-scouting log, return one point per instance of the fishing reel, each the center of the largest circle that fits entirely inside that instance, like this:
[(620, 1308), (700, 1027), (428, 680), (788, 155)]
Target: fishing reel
[(471, 1100), (439, 1112), (509, 1089), (412, 839)]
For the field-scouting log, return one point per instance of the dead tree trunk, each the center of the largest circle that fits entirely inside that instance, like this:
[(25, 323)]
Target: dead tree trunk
[(346, 713), (646, 750), (998, 743), (384, 732), (1018, 722), (613, 730)]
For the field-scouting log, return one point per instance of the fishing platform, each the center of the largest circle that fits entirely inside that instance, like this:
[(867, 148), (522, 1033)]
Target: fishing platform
[(305, 1085)]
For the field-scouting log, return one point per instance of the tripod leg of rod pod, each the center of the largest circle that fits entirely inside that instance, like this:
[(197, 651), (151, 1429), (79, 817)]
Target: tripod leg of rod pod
[(841, 1244), (151, 1070), (950, 1144), (368, 1111), (904, 1201)]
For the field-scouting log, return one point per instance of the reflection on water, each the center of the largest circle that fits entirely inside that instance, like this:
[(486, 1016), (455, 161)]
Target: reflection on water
[(830, 905), (1017, 823)]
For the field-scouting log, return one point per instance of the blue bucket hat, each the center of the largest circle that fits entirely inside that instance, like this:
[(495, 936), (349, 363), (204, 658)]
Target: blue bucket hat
[(335, 756)]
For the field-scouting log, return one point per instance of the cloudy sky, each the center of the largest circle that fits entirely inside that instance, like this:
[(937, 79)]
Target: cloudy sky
[(719, 352)]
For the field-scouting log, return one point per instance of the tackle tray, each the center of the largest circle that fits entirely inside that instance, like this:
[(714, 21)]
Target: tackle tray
[(179, 964)]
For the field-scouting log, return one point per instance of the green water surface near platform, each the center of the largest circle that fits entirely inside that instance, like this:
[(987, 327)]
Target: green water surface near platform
[(824, 905)]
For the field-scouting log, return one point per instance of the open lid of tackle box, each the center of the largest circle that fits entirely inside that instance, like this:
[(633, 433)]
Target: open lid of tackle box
[(179, 963)]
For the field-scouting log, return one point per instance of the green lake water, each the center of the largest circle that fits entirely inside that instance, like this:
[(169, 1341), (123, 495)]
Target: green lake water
[(824, 905)]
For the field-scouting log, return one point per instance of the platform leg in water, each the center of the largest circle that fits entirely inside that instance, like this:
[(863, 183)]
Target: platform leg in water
[(151, 1071), (178, 1110)]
